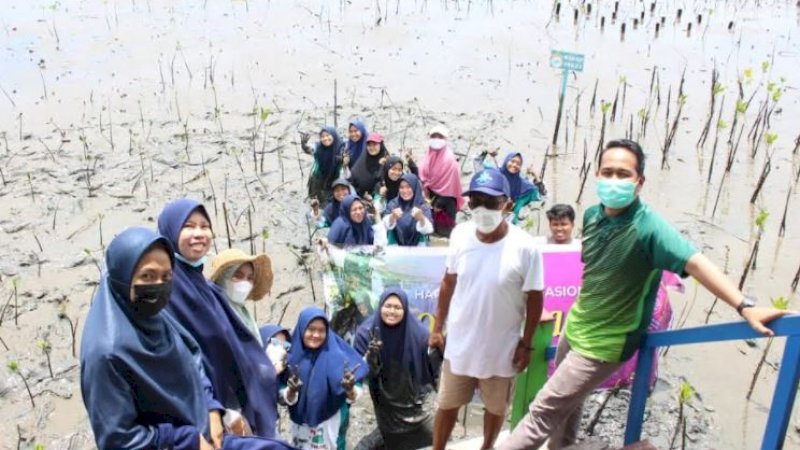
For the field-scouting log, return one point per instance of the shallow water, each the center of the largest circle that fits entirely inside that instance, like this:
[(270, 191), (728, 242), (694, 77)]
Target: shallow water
[(143, 75)]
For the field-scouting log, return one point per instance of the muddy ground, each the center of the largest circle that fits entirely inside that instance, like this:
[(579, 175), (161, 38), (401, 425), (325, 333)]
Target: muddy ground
[(110, 109)]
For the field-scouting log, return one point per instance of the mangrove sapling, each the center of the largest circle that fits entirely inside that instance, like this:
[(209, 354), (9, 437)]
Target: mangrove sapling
[(751, 261), (685, 394), (30, 185), (4, 344), (73, 325), (596, 417), (716, 89), (15, 287), (227, 225), (781, 303), (721, 125), (782, 229), (44, 344), (796, 280), (13, 366), (3, 177), (594, 99), (762, 178), (250, 234)]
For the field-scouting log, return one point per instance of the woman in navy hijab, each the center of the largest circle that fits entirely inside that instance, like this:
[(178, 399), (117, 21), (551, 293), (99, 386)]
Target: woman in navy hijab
[(242, 376), (324, 382), (327, 162), (401, 377), (356, 142), (142, 376), (353, 226), (409, 219)]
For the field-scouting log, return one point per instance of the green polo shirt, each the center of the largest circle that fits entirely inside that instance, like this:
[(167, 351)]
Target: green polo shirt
[(623, 259)]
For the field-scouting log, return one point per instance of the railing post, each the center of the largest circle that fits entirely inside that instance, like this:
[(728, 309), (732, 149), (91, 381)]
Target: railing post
[(639, 394), (783, 397)]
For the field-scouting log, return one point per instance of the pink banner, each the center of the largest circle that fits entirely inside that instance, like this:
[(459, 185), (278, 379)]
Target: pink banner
[(562, 280)]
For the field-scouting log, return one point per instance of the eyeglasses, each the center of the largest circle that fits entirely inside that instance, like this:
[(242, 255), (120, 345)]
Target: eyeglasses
[(277, 343), (489, 202)]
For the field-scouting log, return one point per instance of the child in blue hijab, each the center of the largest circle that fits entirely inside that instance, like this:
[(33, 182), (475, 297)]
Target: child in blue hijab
[(242, 376), (356, 143), (395, 344), (142, 376), (327, 163), (323, 383), (408, 218)]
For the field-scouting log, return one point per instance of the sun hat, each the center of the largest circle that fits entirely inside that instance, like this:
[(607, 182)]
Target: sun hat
[(232, 258), (439, 129)]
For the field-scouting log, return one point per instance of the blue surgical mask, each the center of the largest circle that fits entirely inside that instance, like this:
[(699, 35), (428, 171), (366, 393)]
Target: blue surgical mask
[(616, 194), (197, 263)]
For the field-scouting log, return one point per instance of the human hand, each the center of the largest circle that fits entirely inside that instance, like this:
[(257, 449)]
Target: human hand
[(349, 380), (408, 156), (216, 429), (204, 445), (494, 152), (532, 172), (294, 383), (304, 137), (417, 214), (397, 213), (346, 158), (522, 357), (758, 317), (240, 427), (373, 355), (315, 206), (382, 161), (436, 340), (382, 191)]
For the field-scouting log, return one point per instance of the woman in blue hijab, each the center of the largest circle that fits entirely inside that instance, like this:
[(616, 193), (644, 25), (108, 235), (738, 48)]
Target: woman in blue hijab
[(142, 376), (409, 219), (322, 385), (353, 226), (356, 143), (523, 192), (401, 378), (242, 376), (327, 163)]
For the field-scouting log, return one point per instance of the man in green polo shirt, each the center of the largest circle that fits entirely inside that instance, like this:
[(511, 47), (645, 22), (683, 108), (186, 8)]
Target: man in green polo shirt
[(626, 246)]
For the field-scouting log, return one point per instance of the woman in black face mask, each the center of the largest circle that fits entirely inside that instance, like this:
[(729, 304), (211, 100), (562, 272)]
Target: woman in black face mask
[(142, 376)]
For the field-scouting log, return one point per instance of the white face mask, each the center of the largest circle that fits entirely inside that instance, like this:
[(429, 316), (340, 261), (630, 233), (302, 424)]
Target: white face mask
[(239, 290), (487, 220), (436, 143)]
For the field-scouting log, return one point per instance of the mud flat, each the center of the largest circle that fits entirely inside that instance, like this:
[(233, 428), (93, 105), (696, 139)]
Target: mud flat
[(110, 109)]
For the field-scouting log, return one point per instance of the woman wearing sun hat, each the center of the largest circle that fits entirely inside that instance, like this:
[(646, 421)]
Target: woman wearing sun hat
[(243, 277)]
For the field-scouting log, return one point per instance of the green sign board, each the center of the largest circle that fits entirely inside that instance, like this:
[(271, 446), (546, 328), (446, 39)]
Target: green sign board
[(566, 60)]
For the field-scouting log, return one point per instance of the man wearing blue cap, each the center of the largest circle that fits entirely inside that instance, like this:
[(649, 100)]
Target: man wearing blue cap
[(493, 283)]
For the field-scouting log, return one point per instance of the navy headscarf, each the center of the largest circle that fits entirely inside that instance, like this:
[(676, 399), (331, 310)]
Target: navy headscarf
[(406, 227), (327, 158), (518, 184), (141, 377), (269, 331), (346, 232), (331, 211), (239, 370), (321, 371), (406, 342), (355, 149)]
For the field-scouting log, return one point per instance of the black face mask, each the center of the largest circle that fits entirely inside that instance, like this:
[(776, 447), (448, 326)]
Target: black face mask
[(149, 299)]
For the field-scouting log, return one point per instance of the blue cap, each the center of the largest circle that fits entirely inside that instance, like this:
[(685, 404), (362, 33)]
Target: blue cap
[(490, 182)]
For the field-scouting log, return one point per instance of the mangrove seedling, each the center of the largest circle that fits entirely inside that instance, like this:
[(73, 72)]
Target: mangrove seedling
[(13, 366), (73, 326), (781, 303), (44, 344)]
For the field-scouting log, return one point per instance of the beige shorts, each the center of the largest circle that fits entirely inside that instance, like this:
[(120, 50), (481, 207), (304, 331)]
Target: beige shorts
[(456, 391)]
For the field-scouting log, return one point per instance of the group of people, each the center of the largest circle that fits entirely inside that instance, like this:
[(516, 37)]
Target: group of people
[(171, 359), (369, 197)]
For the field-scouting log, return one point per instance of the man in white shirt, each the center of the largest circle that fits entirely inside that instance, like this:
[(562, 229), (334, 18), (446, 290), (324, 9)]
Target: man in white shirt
[(493, 284)]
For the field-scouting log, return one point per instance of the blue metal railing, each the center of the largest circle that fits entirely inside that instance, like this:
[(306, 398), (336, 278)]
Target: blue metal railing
[(785, 388)]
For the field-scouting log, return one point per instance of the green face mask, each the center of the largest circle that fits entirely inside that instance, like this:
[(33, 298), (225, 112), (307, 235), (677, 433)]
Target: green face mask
[(616, 194)]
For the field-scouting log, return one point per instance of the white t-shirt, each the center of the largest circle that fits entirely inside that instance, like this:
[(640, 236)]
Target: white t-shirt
[(487, 310)]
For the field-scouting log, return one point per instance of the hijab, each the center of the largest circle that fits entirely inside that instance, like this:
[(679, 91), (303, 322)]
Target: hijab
[(439, 174), (406, 226), (355, 149), (139, 375), (346, 232), (518, 184), (321, 371), (331, 211), (327, 158), (367, 171), (270, 330), (406, 342), (240, 372), (391, 186)]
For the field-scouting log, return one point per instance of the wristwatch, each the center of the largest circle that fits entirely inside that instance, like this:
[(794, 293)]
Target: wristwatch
[(747, 302)]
